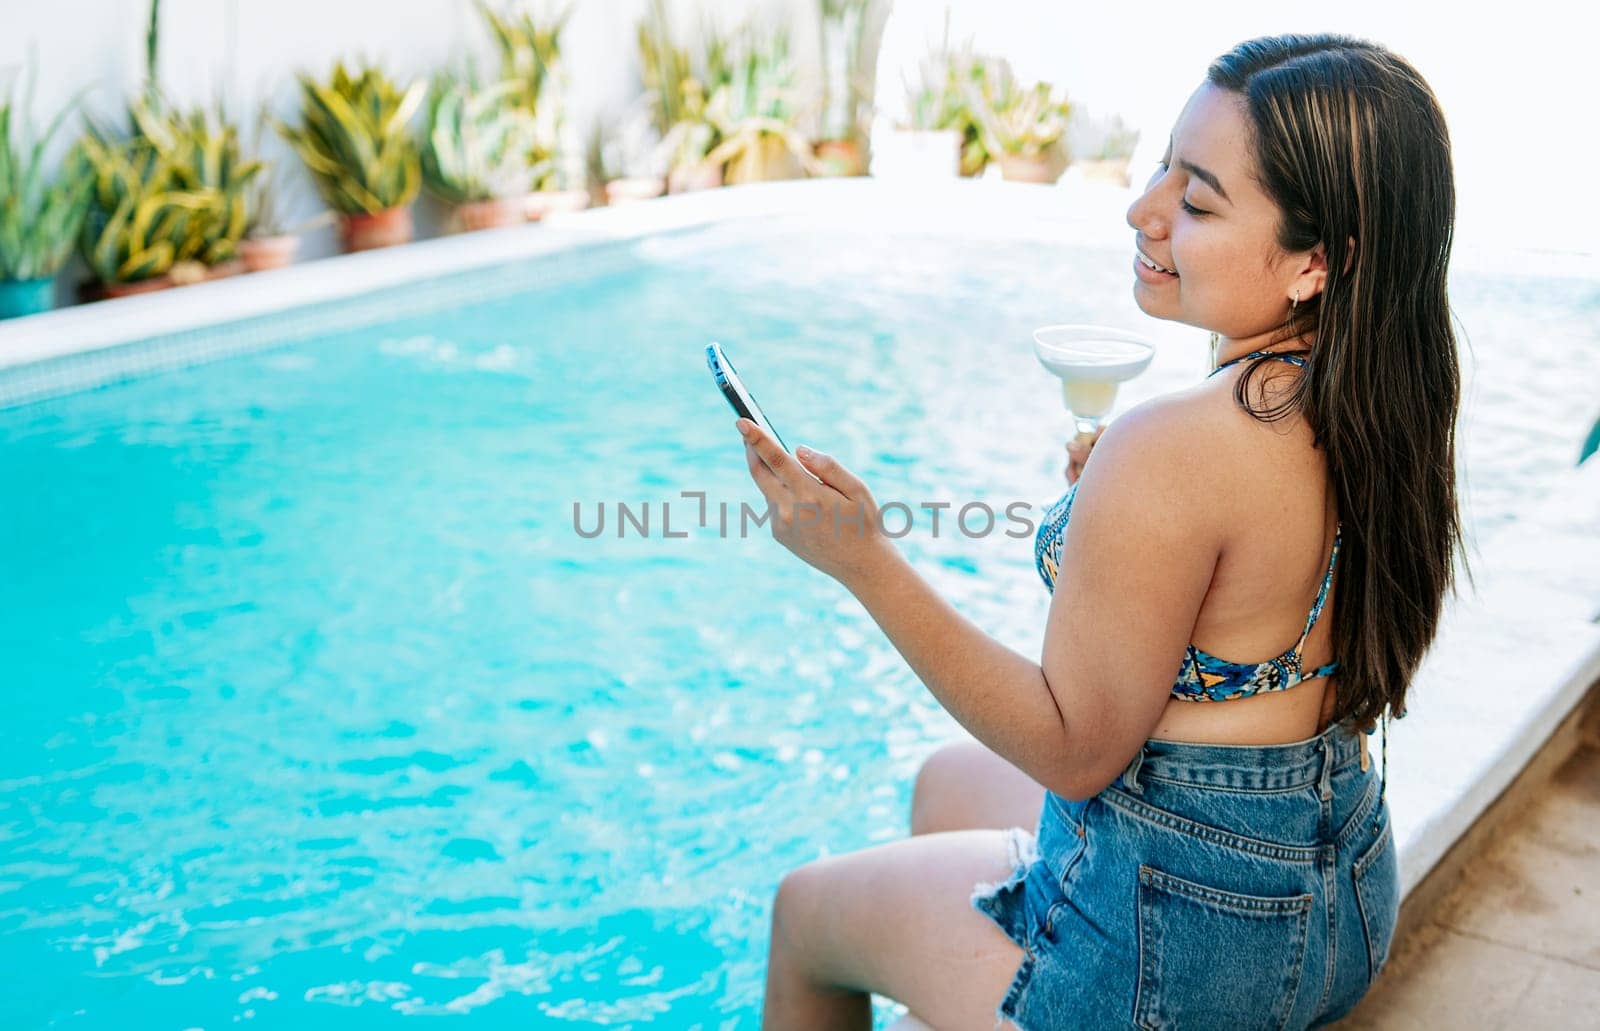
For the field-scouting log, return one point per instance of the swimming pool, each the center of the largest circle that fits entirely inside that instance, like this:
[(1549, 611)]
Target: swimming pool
[(321, 709)]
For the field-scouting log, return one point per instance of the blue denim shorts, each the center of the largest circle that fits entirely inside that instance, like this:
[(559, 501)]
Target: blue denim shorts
[(1208, 886)]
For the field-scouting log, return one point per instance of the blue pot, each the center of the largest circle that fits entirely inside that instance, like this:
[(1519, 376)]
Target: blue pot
[(26, 296)]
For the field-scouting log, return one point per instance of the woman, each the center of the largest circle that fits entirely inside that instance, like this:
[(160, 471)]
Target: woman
[(1211, 845)]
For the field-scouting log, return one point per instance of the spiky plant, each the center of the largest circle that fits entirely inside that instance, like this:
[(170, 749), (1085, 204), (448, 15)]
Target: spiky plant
[(477, 140), (356, 141), (39, 216)]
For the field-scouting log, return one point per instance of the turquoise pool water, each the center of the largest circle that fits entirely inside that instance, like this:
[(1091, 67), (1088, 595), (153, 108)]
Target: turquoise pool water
[(320, 711)]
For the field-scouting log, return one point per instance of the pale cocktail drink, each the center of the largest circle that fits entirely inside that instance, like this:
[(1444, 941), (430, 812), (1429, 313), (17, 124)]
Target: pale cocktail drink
[(1091, 361)]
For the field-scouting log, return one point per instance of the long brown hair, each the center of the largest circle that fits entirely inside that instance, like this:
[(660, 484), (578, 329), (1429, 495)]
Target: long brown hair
[(1351, 144)]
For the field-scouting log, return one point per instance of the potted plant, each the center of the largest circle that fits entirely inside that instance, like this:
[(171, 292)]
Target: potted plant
[(205, 158), (687, 146), (354, 139), (167, 203), (754, 112), (677, 94), (270, 239), (142, 231), (939, 134), (530, 55), (839, 148), (474, 153), (1021, 127), (39, 217)]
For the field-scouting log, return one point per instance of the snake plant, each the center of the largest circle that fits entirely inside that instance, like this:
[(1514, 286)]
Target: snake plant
[(173, 192), (477, 141), (140, 225), (39, 217), (355, 140), (205, 155)]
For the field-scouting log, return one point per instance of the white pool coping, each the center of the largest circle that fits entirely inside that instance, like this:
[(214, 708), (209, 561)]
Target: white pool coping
[(1511, 659)]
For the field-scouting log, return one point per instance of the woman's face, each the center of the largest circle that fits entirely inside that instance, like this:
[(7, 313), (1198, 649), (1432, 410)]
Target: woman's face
[(1204, 217)]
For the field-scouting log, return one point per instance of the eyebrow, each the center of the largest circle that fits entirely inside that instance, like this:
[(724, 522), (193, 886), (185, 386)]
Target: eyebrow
[(1201, 174)]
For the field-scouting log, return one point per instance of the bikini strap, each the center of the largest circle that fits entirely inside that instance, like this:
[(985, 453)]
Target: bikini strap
[(1322, 592), (1281, 356)]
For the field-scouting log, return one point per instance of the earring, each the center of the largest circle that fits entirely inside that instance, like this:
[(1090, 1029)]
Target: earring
[(1293, 304)]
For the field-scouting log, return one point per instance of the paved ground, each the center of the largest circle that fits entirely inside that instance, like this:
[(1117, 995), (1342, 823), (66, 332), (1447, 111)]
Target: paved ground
[(1516, 945)]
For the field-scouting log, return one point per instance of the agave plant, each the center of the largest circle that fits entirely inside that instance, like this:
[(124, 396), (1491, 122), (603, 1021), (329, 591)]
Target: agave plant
[(478, 140), (941, 100), (665, 68), (39, 218), (754, 113), (1017, 120), (842, 24), (530, 54), (355, 139)]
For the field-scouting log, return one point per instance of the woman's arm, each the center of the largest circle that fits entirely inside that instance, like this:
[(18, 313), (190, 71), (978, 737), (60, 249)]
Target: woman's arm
[(999, 695), (1136, 563)]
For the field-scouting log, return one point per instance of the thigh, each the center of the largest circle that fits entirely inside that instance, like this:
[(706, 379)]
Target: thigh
[(896, 920), (964, 785)]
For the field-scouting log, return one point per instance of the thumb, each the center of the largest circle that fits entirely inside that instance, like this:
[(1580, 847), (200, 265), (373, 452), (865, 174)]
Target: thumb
[(829, 471)]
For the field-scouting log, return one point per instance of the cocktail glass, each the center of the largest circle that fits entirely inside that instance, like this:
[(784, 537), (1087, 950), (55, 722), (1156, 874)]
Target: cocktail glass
[(1091, 361)]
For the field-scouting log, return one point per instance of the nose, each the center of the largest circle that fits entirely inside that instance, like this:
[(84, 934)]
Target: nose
[(1144, 213)]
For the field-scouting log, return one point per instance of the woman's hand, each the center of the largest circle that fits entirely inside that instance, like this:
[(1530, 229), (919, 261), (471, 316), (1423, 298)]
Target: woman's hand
[(819, 509), (1078, 453)]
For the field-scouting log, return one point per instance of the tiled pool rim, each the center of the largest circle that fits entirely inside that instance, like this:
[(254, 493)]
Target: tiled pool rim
[(1512, 659)]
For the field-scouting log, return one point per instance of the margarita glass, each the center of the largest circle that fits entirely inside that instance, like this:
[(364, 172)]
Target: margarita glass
[(1091, 361)]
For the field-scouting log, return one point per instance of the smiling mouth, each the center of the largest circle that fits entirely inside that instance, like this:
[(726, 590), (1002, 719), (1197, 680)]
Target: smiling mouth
[(1147, 263)]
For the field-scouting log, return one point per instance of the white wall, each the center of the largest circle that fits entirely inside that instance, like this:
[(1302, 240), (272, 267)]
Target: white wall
[(246, 50), (1513, 85), (1515, 82)]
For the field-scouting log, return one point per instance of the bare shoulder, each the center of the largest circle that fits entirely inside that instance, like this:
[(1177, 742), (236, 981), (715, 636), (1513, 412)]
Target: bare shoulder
[(1166, 453)]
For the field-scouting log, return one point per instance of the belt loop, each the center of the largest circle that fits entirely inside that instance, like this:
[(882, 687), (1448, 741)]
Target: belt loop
[(1325, 780), (1130, 775)]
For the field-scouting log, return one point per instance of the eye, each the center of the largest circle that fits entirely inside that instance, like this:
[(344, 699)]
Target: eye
[(1190, 208)]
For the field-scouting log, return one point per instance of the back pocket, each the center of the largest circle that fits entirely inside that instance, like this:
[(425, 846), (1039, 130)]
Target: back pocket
[(1214, 958), (1377, 878)]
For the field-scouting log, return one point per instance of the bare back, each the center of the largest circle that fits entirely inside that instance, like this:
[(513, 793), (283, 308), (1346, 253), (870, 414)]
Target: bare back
[(1278, 500)]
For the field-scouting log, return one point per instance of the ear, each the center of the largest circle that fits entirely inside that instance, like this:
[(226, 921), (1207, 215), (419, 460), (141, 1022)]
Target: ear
[(1315, 274)]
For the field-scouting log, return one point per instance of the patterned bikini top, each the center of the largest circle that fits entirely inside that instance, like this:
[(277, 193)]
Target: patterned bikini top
[(1204, 677)]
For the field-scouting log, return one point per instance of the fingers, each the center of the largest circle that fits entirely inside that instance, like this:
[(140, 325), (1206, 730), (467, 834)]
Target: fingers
[(827, 469), (771, 488), (782, 464)]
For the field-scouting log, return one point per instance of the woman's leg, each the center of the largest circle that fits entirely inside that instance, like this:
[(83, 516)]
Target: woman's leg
[(964, 785), (895, 919)]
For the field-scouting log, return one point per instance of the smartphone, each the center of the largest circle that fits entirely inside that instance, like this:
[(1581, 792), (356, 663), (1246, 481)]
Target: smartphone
[(736, 392)]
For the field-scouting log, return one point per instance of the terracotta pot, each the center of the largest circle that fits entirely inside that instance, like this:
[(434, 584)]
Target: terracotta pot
[(269, 252), (768, 160), (703, 175), (364, 232), (621, 191), (1108, 170), (494, 213), (139, 286), (1039, 168), (554, 202), (841, 157), (224, 269)]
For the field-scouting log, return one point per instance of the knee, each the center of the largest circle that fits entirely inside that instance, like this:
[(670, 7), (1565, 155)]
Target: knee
[(931, 792), (793, 908)]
